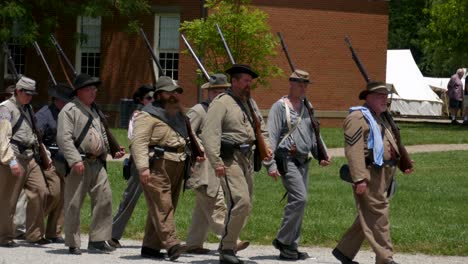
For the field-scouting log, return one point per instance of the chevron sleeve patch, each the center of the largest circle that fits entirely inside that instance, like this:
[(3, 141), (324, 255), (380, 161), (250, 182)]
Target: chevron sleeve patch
[(352, 139)]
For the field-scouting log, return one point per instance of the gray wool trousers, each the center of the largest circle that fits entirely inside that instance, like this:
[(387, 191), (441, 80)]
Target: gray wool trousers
[(129, 200), (296, 183)]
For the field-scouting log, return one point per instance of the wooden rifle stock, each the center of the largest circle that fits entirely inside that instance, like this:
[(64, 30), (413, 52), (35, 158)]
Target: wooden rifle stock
[(260, 141), (405, 162), (44, 160), (321, 151), (114, 145), (194, 146)]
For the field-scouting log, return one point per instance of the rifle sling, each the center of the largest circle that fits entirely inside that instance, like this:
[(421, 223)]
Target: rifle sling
[(242, 107), (84, 132), (18, 124)]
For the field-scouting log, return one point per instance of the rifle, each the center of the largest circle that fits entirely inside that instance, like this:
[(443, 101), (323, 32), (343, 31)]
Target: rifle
[(153, 56), (321, 150), (260, 143), (59, 50), (11, 63), (39, 52), (42, 159), (114, 145), (196, 149), (405, 161)]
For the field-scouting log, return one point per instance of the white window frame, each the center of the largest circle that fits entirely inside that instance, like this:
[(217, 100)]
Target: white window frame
[(156, 36), (78, 53), (6, 74)]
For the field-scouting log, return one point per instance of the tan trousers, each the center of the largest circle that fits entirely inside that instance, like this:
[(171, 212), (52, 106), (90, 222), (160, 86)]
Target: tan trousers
[(209, 213), (94, 182), (10, 188), (238, 187), (162, 194), (372, 222), (54, 205)]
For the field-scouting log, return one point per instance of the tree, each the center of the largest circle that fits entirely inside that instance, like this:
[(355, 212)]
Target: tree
[(24, 21), (407, 20), (446, 37), (246, 31)]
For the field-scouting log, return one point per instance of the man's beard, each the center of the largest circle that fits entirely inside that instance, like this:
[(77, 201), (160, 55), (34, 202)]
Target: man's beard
[(171, 105), (245, 94)]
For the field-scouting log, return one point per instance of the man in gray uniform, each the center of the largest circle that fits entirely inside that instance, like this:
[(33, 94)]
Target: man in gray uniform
[(210, 208), (293, 138), (83, 140), (18, 166), (47, 125), (142, 97)]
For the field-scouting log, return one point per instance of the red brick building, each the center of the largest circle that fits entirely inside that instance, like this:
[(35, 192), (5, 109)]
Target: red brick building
[(313, 30)]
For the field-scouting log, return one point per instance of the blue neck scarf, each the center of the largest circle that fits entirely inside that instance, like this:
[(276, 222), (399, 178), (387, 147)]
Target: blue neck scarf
[(375, 141)]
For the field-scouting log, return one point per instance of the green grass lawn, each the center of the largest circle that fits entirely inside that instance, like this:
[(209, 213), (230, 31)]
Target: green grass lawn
[(412, 134), (428, 213)]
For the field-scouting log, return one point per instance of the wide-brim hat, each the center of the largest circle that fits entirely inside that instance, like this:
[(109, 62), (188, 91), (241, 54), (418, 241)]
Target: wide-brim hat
[(376, 87), (27, 85), (299, 76), (167, 84), (143, 90), (62, 92), (84, 80), (217, 80), (241, 68)]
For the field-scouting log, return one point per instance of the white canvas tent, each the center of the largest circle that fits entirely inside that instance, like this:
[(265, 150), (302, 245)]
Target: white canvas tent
[(414, 96)]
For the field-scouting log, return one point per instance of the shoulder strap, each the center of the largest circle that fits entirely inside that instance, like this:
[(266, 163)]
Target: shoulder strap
[(242, 107), (18, 124), (84, 132), (288, 120)]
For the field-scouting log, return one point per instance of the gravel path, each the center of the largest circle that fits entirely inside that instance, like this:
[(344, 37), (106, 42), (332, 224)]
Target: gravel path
[(130, 253)]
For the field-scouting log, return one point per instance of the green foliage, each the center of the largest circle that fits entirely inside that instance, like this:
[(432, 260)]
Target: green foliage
[(446, 37), (26, 20), (407, 20), (246, 31)]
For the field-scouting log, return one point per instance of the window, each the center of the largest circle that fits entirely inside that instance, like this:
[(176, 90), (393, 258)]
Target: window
[(17, 54), (89, 48), (167, 44)]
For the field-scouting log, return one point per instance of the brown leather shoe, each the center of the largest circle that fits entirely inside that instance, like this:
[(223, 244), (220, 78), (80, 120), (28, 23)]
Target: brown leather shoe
[(175, 251), (198, 251), (242, 245), (114, 243)]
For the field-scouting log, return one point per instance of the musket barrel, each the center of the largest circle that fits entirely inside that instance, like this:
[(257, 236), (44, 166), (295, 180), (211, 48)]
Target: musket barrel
[(225, 44), (60, 50), (357, 60), (39, 52), (148, 45), (200, 65), (285, 49)]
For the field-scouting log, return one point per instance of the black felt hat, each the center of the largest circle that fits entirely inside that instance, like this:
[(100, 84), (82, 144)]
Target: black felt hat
[(84, 80), (61, 91), (241, 68)]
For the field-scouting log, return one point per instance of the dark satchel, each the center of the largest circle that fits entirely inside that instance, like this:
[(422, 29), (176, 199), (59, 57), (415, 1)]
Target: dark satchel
[(127, 168), (345, 173), (227, 149), (257, 160)]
